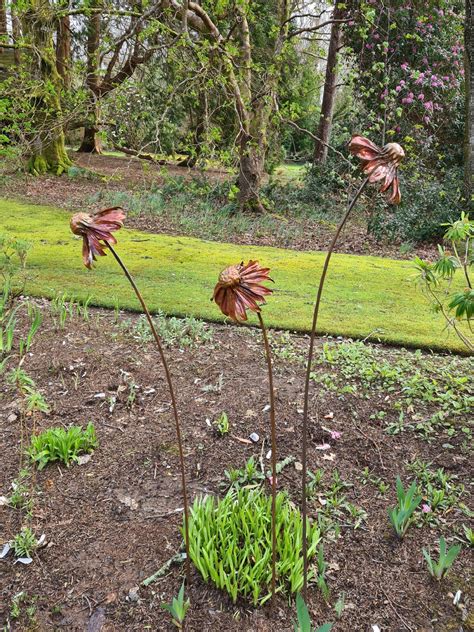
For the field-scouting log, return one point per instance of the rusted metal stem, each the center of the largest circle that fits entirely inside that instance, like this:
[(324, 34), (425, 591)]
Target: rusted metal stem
[(173, 404), (304, 509), (274, 450)]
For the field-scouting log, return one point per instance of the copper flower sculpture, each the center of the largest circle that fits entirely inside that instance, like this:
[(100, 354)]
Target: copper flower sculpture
[(380, 164), (239, 289), (96, 231)]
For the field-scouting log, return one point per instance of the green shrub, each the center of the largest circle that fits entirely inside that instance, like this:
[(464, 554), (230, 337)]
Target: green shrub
[(57, 444), (427, 202), (230, 543)]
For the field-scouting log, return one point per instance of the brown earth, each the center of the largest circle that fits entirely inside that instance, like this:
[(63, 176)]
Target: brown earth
[(113, 521)]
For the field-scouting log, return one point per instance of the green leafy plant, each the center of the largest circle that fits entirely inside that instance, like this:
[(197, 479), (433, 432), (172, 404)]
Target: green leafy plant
[(26, 385), (58, 444), (439, 569), (401, 516), (222, 424), (230, 543), (468, 534), (24, 542), (435, 279), (185, 333), (303, 623), (251, 474), (178, 608), (21, 497)]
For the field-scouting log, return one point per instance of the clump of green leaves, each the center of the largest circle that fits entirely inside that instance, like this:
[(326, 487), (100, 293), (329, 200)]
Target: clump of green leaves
[(401, 516), (230, 543), (222, 424), (304, 621), (439, 569), (435, 279), (24, 543), (178, 608), (21, 497), (468, 534), (434, 394), (185, 333), (64, 306), (34, 399), (251, 474), (58, 444), (440, 490)]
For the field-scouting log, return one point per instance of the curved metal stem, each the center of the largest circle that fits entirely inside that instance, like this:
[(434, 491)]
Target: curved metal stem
[(304, 450), (173, 403), (273, 443)]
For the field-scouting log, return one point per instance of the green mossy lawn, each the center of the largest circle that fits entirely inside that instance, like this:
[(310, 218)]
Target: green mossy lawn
[(364, 296)]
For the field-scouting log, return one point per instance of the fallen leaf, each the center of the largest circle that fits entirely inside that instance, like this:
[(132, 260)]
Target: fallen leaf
[(128, 501), (298, 466), (6, 548), (250, 413), (23, 560), (85, 458), (3, 501), (241, 439), (329, 457)]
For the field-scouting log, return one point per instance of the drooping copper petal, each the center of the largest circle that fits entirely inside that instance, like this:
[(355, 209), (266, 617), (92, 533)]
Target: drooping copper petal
[(96, 231), (239, 289), (380, 164)]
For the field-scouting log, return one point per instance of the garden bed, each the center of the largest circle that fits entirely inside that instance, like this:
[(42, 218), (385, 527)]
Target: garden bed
[(113, 521)]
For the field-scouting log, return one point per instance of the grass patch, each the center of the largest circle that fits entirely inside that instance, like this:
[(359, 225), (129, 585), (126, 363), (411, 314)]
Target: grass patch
[(366, 297)]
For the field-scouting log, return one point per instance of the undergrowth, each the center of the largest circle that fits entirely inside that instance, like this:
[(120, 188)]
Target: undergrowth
[(230, 543), (58, 444), (181, 332), (417, 392)]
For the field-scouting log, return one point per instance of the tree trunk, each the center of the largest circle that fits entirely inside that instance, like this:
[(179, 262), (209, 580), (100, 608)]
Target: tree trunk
[(16, 30), (3, 22), (63, 50), (49, 151), (251, 171), (90, 142), (327, 107), (469, 92)]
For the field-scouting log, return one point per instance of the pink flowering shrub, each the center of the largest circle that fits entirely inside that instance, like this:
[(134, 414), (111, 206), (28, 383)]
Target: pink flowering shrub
[(411, 61)]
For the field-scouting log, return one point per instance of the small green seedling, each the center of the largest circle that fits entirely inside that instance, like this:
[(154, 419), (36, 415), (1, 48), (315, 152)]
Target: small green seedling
[(57, 444), (469, 535), (24, 543), (439, 569), (401, 516), (178, 608), (222, 424), (304, 621)]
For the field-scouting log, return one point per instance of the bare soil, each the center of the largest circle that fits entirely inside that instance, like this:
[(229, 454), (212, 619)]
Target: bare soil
[(114, 521), (132, 174)]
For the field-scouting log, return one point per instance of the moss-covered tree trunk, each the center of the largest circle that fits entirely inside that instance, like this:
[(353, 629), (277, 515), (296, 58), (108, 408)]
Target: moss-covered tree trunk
[(252, 152), (90, 141), (48, 153)]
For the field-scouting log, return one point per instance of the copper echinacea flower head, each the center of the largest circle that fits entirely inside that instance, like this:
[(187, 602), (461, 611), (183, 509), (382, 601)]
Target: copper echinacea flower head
[(380, 164), (96, 231), (239, 289)]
